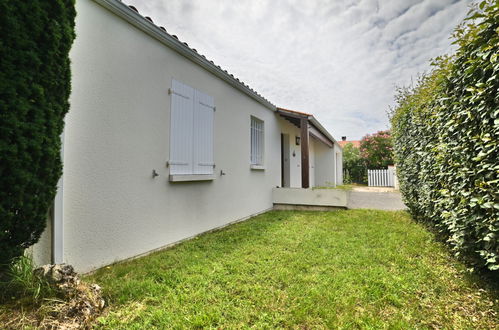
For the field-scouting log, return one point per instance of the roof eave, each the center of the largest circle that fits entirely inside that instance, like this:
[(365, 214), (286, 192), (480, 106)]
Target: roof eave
[(323, 130), (311, 119)]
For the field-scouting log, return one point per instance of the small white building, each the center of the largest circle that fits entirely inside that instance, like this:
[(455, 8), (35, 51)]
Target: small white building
[(161, 144)]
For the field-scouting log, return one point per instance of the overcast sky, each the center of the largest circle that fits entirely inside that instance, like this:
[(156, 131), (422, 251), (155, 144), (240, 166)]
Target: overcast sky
[(337, 59)]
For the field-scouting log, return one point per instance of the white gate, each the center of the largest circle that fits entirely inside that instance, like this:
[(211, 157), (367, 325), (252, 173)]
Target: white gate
[(381, 178)]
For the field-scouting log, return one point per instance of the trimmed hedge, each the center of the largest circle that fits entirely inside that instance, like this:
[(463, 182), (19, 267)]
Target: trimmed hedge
[(34, 90), (446, 141)]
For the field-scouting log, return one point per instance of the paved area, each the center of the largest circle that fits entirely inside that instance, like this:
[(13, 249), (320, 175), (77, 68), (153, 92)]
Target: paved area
[(379, 198)]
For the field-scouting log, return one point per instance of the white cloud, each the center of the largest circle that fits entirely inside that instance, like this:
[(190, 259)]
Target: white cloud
[(339, 60)]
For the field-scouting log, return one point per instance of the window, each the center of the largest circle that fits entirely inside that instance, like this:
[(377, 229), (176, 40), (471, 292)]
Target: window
[(191, 131), (257, 142)]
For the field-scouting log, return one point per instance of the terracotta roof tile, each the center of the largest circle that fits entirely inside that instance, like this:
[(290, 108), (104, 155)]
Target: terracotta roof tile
[(194, 50), (355, 143)]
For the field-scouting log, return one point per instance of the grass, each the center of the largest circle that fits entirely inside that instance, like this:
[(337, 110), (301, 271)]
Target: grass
[(342, 187), (21, 284), (343, 269), (24, 297)]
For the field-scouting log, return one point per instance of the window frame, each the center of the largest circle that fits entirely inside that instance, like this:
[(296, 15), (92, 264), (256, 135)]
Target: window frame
[(257, 143)]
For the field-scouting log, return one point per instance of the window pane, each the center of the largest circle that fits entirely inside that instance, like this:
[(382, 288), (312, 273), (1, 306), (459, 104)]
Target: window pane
[(257, 141)]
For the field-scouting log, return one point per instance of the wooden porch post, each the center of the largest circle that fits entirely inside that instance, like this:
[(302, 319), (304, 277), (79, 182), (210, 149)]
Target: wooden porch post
[(305, 176)]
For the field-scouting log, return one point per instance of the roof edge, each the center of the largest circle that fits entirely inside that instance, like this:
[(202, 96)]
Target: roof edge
[(323, 130), (311, 119), (125, 12), (298, 113)]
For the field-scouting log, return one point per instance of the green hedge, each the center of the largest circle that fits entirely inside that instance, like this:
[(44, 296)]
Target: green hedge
[(446, 141), (36, 37)]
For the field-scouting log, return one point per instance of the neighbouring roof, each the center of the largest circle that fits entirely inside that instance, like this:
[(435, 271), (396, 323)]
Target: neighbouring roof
[(355, 143)]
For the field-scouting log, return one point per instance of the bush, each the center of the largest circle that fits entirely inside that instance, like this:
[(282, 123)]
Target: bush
[(353, 165), (34, 90), (446, 131), (377, 150)]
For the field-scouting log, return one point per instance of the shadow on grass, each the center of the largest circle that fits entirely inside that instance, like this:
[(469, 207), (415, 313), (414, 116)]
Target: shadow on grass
[(481, 278)]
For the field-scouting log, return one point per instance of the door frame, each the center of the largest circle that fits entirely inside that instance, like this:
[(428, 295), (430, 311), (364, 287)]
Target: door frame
[(285, 165)]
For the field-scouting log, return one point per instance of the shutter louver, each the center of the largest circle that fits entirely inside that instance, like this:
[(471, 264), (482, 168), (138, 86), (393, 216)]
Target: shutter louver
[(204, 109), (181, 129)]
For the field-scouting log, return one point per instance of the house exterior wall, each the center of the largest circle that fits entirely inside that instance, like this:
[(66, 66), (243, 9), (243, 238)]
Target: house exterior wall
[(325, 165), (338, 157), (117, 132), (311, 155), (41, 252)]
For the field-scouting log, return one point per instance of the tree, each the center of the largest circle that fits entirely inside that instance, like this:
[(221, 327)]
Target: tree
[(377, 150), (353, 165), (34, 89)]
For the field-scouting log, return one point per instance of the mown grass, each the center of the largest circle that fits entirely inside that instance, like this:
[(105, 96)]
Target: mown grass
[(346, 269), (342, 187)]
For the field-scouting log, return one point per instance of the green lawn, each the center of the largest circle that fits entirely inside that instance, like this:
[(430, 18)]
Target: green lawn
[(348, 269)]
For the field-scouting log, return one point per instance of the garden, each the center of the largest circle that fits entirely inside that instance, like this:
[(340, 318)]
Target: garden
[(435, 266)]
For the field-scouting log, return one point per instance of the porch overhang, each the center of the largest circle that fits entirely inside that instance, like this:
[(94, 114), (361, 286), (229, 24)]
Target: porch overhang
[(314, 127), (308, 126)]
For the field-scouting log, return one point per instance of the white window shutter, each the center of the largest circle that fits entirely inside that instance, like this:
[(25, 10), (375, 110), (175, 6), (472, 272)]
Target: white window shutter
[(204, 108), (181, 129)]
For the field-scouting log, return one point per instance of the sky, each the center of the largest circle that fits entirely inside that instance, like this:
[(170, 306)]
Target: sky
[(340, 60)]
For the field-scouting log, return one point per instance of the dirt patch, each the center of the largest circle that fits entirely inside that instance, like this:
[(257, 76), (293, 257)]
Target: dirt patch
[(76, 305)]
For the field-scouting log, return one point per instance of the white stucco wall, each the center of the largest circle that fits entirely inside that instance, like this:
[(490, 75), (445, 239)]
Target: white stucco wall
[(325, 165), (311, 155), (41, 252), (117, 132), (338, 151)]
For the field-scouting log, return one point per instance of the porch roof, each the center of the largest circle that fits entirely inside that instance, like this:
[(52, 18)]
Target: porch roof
[(317, 130)]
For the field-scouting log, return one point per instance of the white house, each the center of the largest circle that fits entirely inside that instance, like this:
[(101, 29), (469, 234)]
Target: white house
[(161, 144)]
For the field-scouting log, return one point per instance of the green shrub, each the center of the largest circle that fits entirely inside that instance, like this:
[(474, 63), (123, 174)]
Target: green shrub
[(377, 150), (354, 167), (34, 90), (446, 132)]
